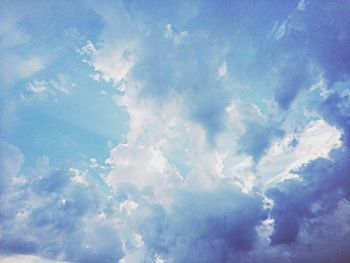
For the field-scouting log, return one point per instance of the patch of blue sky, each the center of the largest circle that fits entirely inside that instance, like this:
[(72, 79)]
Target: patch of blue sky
[(61, 123), (68, 123), (56, 132)]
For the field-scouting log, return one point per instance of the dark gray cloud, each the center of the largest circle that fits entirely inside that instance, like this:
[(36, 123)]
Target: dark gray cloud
[(203, 226), (325, 182), (315, 40)]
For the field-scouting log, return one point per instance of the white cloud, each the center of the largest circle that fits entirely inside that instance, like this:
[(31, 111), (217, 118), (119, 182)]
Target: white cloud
[(159, 259), (301, 5), (79, 177), (222, 70), (281, 30), (316, 140), (14, 67), (29, 66), (111, 64), (88, 49), (11, 160), (240, 173), (140, 167), (62, 84), (94, 163), (177, 38), (37, 86), (27, 259), (51, 88), (127, 207)]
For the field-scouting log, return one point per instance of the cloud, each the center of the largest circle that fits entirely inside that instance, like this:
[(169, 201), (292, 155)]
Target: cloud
[(222, 70), (329, 47), (10, 33), (110, 64), (160, 71), (50, 88), (323, 184), (27, 259), (285, 156), (315, 36), (10, 164), (23, 68), (318, 240), (301, 5), (177, 38), (335, 109), (258, 138), (281, 30), (202, 226), (140, 167), (293, 77), (208, 172), (37, 86), (59, 217)]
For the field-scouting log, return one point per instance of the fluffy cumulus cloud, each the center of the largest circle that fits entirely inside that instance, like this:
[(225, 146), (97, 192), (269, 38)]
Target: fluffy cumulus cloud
[(238, 139), (50, 208)]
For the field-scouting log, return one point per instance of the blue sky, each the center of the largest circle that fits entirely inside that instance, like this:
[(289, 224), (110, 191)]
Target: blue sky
[(174, 131)]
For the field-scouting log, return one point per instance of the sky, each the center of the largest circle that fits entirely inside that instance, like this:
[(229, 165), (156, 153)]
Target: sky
[(174, 131)]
